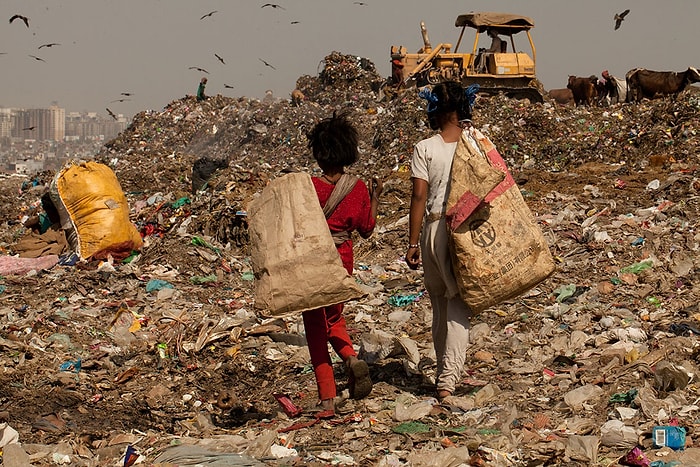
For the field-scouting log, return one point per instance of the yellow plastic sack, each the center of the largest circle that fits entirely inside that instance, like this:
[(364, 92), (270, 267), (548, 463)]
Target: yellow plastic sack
[(94, 211)]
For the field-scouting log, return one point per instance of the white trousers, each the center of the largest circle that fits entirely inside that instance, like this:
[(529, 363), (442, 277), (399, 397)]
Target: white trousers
[(450, 314)]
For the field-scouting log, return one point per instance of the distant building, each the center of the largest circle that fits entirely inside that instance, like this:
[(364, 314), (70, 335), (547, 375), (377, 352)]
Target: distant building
[(5, 123), (40, 124), (89, 126)]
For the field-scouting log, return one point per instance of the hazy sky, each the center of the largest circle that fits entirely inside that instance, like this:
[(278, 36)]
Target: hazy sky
[(145, 47)]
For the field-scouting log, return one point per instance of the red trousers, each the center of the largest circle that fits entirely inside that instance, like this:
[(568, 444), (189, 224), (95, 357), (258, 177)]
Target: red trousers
[(322, 326)]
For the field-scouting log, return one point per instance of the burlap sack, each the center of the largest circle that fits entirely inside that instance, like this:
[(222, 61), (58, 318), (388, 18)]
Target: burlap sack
[(296, 264), (498, 252), (94, 211)]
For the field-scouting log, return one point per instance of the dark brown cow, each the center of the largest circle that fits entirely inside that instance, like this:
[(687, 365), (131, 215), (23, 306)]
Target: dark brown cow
[(583, 89), (562, 96), (647, 83)]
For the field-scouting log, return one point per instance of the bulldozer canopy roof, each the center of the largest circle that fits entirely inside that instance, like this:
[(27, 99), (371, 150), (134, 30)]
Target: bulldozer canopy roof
[(503, 23)]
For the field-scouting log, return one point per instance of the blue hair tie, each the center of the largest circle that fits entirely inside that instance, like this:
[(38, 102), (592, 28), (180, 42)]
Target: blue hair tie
[(470, 92), (432, 99)]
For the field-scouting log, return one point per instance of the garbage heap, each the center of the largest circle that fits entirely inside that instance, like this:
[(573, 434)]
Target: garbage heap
[(165, 357)]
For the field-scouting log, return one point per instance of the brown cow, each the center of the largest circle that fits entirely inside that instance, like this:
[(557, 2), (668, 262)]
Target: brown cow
[(583, 89), (562, 96), (647, 83)]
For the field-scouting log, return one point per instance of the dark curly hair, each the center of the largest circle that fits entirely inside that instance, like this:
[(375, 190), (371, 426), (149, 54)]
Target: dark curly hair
[(333, 142), (450, 98)]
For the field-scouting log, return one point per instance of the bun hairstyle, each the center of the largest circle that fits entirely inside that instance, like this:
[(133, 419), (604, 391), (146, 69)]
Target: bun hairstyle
[(446, 98)]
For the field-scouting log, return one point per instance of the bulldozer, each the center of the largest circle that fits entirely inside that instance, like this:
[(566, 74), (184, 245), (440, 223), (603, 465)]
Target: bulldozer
[(509, 71)]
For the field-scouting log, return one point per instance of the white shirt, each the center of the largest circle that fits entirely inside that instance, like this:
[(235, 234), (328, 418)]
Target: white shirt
[(432, 162)]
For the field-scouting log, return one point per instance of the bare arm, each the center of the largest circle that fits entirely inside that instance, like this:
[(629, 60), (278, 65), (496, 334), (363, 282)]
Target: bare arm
[(415, 221)]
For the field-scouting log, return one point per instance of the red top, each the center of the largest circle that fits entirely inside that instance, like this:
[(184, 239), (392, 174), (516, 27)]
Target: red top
[(353, 213)]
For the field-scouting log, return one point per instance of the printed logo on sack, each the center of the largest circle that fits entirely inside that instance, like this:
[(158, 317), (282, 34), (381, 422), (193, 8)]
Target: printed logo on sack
[(483, 233)]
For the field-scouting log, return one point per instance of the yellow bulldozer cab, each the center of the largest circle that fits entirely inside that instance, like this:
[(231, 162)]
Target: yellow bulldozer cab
[(510, 68)]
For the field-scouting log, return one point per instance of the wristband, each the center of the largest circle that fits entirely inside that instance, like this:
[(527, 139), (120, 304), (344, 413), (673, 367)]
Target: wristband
[(413, 246)]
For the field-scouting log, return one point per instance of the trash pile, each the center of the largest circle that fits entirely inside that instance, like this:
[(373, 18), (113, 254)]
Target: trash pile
[(162, 359)]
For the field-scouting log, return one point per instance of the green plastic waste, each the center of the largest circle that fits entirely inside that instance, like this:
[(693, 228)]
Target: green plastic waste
[(626, 397), (403, 300), (158, 284), (636, 268), (565, 291), (411, 427), (180, 202), (203, 279), (201, 242)]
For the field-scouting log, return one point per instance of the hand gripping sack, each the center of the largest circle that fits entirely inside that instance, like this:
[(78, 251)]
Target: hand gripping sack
[(294, 259), (498, 250), (94, 211)]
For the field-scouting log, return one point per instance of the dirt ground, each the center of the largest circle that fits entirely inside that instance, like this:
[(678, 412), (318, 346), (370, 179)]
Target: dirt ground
[(92, 360)]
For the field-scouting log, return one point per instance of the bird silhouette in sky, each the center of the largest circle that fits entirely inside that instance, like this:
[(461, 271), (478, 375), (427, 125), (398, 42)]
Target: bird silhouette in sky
[(208, 14), (126, 93), (228, 86), (121, 100), (199, 69), (619, 17), (267, 64), (29, 128), (37, 58), (48, 45), (220, 59), (111, 114), (23, 18), (273, 5)]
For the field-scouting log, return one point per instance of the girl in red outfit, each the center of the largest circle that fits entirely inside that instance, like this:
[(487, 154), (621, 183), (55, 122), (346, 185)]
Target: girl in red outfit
[(333, 143)]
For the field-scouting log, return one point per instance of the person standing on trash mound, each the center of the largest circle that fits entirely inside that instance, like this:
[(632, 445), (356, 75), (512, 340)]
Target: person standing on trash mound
[(333, 142), (449, 112)]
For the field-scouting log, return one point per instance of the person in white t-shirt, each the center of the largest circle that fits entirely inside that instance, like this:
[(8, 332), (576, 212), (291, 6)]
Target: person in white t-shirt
[(449, 112)]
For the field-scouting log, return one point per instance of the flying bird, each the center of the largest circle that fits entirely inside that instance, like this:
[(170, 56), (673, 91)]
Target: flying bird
[(37, 58), (48, 45), (619, 17), (199, 69), (208, 14), (267, 64), (121, 100), (111, 114), (228, 86), (273, 5), (29, 128), (220, 59), (23, 18)]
